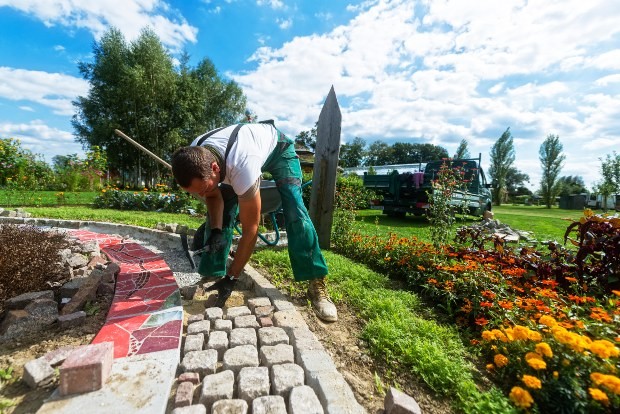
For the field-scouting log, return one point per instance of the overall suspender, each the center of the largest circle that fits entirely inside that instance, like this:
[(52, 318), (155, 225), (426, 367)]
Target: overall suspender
[(231, 140)]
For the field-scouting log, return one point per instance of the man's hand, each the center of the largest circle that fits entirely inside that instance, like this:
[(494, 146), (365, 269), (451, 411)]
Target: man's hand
[(224, 288), (216, 242)]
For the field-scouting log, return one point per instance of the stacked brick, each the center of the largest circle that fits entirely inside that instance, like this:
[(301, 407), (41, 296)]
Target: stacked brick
[(258, 358)]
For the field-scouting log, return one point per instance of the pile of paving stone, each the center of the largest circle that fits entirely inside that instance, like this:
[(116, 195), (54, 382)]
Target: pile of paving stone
[(89, 273), (490, 226)]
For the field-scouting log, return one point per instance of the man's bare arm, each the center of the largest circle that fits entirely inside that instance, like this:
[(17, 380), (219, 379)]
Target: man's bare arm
[(249, 216), (215, 208)]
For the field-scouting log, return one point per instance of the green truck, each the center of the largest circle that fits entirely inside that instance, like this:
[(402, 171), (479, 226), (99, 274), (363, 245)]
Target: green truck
[(408, 192)]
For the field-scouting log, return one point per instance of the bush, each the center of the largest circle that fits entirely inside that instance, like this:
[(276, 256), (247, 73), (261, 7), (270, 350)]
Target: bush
[(143, 201), (29, 259), (350, 193)]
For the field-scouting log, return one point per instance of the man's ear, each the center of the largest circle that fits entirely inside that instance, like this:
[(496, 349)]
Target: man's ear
[(215, 167)]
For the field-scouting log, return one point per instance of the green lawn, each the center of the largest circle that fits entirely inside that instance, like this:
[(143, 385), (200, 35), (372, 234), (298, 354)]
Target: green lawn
[(545, 223), (45, 198), (136, 218)]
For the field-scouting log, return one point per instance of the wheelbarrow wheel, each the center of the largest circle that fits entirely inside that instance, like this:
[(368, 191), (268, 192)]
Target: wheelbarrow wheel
[(199, 238)]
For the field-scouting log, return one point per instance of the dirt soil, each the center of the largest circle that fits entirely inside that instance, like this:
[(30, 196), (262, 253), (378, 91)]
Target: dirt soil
[(16, 354)]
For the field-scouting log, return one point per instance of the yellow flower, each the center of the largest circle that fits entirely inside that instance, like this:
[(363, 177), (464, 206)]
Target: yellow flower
[(488, 335), (604, 349), (547, 320), (611, 382), (500, 360), (599, 395), (531, 382), (544, 349), (499, 335), (490, 367), (521, 398), (534, 336), (520, 332), (537, 364), (556, 375)]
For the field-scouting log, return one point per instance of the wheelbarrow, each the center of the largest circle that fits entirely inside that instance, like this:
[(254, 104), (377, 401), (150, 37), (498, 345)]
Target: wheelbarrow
[(271, 205)]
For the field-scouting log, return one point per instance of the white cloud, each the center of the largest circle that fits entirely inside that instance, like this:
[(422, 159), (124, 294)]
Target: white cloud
[(130, 16), (59, 48), (26, 108), (460, 69), (215, 10), (54, 90), (284, 23), (40, 138), (274, 4)]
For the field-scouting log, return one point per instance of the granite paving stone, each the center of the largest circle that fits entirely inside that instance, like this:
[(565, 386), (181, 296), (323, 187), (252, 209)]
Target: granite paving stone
[(192, 409), (303, 400), (276, 354), (184, 395), (193, 342), (270, 336), (230, 407), (254, 303), (247, 321), (232, 313), (243, 336), (218, 340), (271, 404), (217, 387), (240, 357), (263, 311), (202, 327), (213, 314), (253, 382), (289, 320), (223, 325), (202, 362), (284, 377)]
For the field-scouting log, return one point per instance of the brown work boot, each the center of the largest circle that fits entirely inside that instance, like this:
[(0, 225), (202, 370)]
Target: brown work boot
[(321, 303)]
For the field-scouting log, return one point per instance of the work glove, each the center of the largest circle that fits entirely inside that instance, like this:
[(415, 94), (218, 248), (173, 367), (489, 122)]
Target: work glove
[(224, 288), (216, 242)]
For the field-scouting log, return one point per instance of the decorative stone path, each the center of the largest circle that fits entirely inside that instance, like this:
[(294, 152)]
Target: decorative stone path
[(257, 357)]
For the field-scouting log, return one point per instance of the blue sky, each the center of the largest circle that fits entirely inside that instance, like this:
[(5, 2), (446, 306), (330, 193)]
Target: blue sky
[(428, 71)]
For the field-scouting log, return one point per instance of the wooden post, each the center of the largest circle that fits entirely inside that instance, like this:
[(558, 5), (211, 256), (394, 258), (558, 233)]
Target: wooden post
[(325, 168)]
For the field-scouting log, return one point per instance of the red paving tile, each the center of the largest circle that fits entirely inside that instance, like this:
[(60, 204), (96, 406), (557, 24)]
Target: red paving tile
[(143, 333), (145, 300)]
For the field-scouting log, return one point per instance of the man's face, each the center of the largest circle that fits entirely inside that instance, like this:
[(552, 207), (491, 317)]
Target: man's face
[(202, 187)]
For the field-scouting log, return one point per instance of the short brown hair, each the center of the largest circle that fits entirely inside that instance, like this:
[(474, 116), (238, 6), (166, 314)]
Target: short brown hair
[(191, 162)]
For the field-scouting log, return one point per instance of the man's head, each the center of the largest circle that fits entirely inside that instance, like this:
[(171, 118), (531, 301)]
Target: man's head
[(195, 169)]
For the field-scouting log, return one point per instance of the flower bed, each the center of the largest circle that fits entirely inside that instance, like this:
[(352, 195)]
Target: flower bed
[(547, 322)]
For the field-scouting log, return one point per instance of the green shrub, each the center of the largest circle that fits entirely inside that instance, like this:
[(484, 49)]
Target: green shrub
[(143, 201), (350, 192)]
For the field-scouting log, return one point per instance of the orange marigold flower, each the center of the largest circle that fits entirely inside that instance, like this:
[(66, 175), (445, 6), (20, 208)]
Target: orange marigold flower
[(599, 395), (488, 335), (544, 349), (505, 304), (500, 360), (520, 332), (556, 375), (488, 294), (534, 336), (547, 320), (490, 367), (604, 349), (521, 397), (616, 292), (571, 279), (486, 304), (531, 382), (481, 321), (536, 363)]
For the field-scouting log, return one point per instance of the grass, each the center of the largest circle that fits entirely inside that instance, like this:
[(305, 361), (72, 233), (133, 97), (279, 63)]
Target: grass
[(546, 224), (44, 198), (137, 218)]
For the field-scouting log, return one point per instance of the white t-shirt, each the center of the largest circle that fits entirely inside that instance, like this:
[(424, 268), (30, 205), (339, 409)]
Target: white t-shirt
[(255, 142)]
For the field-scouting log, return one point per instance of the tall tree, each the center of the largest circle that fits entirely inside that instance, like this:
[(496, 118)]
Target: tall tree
[(515, 181), (610, 171), (135, 87), (351, 155), (307, 139), (502, 158), (572, 184), (551, 162), (462, 151), (379, 153)]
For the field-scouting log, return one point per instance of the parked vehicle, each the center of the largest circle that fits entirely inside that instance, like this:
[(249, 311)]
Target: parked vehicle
[(598, 201), (408, 192)]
